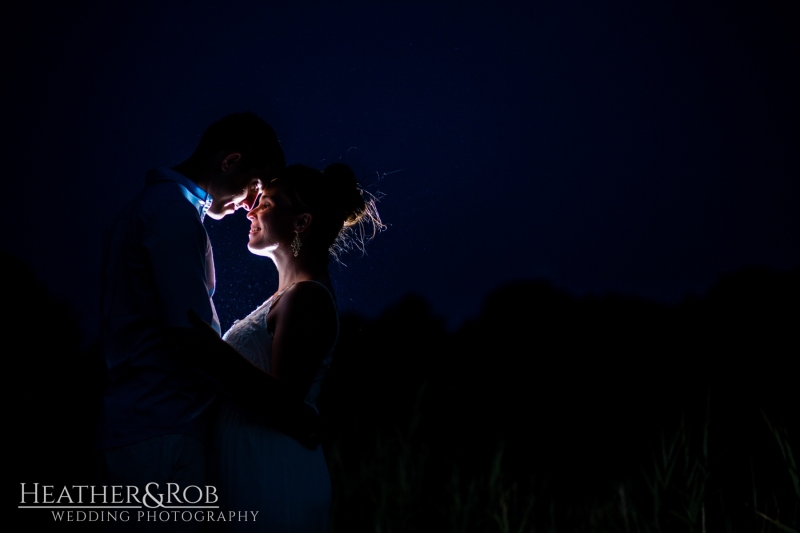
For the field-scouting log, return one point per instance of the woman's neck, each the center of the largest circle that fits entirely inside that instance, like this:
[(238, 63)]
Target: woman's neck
[(296, 271)]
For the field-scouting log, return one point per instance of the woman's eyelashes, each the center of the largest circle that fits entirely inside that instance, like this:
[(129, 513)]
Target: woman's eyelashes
[(261, 202)]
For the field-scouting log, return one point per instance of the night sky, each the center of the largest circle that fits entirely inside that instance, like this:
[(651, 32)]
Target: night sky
[(645, 149)]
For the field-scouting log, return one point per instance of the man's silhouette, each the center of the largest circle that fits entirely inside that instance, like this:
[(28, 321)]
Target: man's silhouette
[(157, 267)]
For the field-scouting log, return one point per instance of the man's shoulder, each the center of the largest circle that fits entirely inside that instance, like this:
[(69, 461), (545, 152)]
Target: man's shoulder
[(159, 198), (162, 192)]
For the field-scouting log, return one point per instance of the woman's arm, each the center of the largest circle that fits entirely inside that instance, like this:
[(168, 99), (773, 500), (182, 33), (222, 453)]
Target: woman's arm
[(229, 370), (305, 327)]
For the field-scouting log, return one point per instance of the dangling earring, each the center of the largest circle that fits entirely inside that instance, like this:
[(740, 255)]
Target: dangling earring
[(296, 244)]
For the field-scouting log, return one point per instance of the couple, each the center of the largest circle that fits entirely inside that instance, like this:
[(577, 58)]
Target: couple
[(236, 413)]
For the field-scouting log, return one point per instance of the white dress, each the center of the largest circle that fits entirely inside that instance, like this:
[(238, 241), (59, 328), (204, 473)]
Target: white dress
[(258, 469)]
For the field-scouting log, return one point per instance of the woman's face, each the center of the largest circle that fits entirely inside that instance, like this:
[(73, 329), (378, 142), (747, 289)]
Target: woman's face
[(271, 223)]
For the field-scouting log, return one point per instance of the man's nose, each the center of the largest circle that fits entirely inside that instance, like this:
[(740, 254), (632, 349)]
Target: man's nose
[(250, 202)]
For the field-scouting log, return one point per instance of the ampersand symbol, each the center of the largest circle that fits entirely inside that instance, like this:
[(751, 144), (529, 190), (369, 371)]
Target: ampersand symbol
[(147, 494)]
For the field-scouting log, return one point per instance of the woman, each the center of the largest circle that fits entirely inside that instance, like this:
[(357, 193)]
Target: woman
[(303, 216)]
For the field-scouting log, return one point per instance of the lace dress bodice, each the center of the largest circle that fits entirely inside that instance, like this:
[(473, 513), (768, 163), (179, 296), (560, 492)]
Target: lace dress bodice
[(252, 338)]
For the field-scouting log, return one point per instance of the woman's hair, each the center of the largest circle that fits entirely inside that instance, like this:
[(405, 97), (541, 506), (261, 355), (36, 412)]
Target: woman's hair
[(344, 214)]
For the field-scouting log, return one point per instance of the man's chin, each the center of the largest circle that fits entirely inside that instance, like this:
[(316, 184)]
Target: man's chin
[(219, 214), (216, 216)]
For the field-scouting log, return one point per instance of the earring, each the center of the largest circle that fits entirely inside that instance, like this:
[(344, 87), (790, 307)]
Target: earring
[(296, 244)]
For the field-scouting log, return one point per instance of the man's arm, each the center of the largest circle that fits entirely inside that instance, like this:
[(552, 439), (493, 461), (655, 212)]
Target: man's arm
[(271, 401)]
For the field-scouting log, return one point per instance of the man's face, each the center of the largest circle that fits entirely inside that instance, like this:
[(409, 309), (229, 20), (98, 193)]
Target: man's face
[(232, 189)]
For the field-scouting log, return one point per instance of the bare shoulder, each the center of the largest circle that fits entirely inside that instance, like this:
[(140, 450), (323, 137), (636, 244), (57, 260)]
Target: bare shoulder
[(307, 299), (309, 292)]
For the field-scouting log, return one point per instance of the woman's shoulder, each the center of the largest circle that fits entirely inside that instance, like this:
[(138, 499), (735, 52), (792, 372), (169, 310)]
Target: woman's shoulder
[(306, 297), (314, 285), (307, 309), (309, 292)]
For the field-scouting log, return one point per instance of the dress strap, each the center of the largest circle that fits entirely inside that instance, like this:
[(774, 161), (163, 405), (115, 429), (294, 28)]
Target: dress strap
[(277, 296)]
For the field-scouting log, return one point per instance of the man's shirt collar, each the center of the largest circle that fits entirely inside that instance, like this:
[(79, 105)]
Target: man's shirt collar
[(198, 197)]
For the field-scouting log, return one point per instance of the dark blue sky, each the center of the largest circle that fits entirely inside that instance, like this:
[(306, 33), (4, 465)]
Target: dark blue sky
[(603, 146)]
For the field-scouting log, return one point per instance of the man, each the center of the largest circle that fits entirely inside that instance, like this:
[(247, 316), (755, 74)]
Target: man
[(158, 269)]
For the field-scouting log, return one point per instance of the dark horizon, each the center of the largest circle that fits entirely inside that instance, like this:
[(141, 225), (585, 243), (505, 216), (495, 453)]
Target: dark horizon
[(229, 311)]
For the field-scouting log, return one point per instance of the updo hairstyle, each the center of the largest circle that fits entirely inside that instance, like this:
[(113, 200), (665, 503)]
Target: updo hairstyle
[(344, 215)]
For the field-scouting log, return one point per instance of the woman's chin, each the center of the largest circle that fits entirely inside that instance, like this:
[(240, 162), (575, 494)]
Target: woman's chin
[(260, 250)]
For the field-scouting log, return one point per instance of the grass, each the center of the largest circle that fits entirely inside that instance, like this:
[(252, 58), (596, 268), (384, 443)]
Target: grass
[(399, 483), (788, 456)]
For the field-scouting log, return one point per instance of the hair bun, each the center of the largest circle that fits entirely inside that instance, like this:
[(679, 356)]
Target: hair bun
[(345, 191), (345, 215), (340, 172)]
